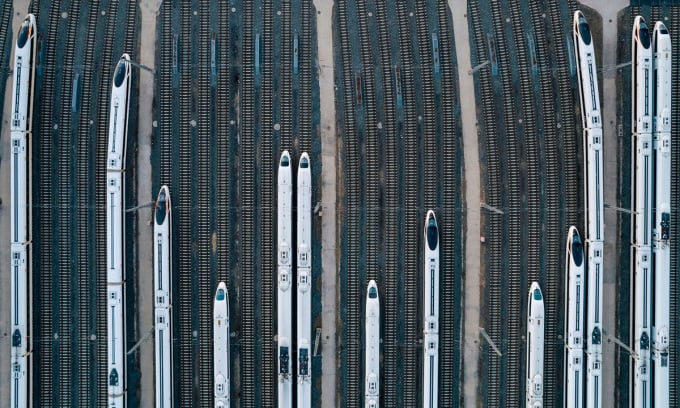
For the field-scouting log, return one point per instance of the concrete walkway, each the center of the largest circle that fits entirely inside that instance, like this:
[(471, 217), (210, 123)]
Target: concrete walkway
[(147, 56), (472, 290), (324, 22)]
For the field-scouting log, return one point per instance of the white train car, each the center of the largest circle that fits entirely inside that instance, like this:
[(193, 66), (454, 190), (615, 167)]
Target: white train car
[(574, 389), (591, 117), (431, 312), (642, 189), (535, 347), (20, 240), (115, 226), (372, 373), (304, 282), (662, 149), (221, 346), (163, 298), (284, 225)]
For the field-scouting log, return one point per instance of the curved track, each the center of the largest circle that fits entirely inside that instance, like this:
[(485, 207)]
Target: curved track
[(525, 115), (72, 90)]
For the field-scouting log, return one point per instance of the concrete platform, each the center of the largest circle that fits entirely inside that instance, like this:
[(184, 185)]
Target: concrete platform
[(329, 294)]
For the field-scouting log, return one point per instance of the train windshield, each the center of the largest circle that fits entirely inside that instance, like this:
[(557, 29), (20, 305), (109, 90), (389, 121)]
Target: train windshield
[(663, 30), (644, 35), (537, 294), (432, 235), (577, 250), (372, 293), (220, 295), (24, 33), (285, 161), (304, 163), (160, 208), (121, 71), (584, 30)]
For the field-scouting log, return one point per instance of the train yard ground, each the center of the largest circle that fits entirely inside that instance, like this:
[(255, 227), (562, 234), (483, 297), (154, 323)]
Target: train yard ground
[(382, 99)]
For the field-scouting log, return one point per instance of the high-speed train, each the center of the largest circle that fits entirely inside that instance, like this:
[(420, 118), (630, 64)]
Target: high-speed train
[(535, 346), (662, 151), (20, 240), (284, 225), (431, 312), (372, 373), (642, 189), (591, 118), (304, 282), (115, 230), (221, 346), (574, 321), (162, 230)]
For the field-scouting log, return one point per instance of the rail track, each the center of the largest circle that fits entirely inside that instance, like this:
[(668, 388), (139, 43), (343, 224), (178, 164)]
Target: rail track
[(352, 283), (674, 28), (451, 204), (268, 160)]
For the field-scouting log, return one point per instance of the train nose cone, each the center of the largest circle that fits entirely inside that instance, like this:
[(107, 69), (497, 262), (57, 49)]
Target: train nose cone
[(161, 205), (26, 31), (221, 289), (584, 30), (304, 161), (122, 71)]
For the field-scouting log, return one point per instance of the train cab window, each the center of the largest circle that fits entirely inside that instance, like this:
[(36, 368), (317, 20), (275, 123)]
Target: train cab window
[(577, 251), (304, 163), (120, 74), (24, 33), (584, 30), (644, 35), (372, 293), (220, 295)]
